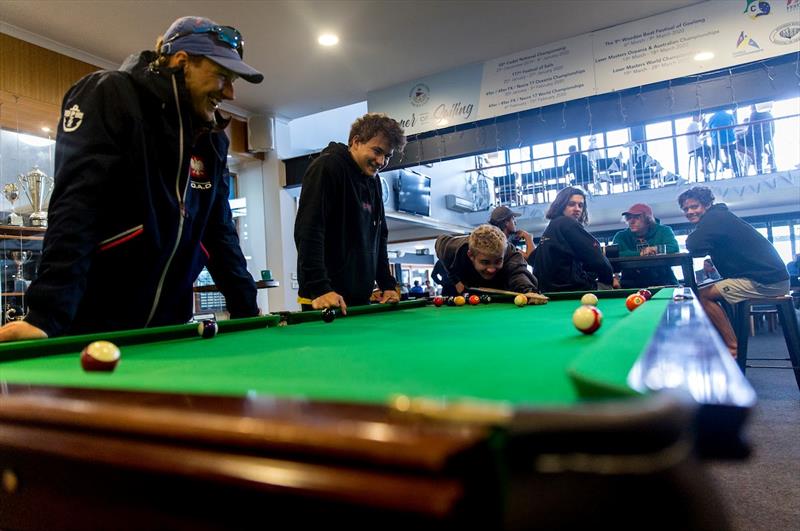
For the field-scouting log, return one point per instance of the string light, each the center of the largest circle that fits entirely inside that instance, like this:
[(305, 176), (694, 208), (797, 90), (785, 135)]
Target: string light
[(622, 112)]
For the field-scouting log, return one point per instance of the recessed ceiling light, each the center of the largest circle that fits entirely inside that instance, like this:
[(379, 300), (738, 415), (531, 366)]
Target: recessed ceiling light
[(704, 56), (328, 39), (46, 129)]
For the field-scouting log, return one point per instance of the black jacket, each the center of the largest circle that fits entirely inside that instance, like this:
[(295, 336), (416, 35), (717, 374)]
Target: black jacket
[(569, 259), (514, 276), (140, 204), (340, 230), (736, 248)]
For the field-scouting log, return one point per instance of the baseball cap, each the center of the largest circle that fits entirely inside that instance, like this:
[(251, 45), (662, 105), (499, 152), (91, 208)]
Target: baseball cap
[(639, 209), (221, 44), (502, 213)]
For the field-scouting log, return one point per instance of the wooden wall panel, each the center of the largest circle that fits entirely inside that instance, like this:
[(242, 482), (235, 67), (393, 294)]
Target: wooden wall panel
[(33, 81)]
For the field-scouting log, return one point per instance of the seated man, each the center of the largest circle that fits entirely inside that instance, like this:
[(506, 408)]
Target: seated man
[(749, 264), (708, 273), (642, 238), (485, 259)]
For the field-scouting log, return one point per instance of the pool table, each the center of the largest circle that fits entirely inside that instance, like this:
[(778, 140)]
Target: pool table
[(394, 416)]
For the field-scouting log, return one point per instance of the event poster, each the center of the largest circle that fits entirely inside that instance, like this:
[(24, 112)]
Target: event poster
[(442, 100), (694, 39), (549, 74)]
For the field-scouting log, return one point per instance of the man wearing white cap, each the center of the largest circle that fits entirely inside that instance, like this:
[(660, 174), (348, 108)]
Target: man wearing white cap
[(140, 203)]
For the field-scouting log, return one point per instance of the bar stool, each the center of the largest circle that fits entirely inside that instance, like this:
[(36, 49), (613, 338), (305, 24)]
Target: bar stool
[(788, 320)]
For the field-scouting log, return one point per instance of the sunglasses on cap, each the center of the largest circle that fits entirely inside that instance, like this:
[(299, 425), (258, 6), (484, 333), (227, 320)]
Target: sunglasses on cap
[(224, 34)]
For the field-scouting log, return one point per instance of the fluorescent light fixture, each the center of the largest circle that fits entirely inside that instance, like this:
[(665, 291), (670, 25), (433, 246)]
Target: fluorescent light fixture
[(328, 39), (35, 141), (704, 56)]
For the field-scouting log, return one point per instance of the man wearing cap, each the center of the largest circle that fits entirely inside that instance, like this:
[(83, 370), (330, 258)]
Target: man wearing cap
[(505, 219), (140, 202), (643, 237)]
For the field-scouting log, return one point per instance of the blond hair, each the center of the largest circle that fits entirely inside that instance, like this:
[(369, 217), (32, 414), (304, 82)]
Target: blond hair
[(489, 240)]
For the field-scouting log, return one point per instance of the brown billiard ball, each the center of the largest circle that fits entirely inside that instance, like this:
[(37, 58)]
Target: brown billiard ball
[(646, 293), (207, 328), (328, 315), (100, 356)]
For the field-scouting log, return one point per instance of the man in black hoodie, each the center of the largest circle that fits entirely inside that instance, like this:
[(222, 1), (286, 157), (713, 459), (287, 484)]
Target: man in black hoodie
[(749, 264), (140, 202), (340, 230)]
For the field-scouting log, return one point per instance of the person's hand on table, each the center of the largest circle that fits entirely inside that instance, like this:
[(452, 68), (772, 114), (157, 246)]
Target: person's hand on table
[(389, 295), (17, 330), (460, 287), (615, 283), (536, 298), (329, 300)]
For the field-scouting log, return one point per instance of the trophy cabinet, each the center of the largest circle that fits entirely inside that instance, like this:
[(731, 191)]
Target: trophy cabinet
[(20, 250)]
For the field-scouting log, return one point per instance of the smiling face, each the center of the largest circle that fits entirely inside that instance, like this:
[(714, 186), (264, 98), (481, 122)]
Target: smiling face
[(693, 210), (373, 155), (485, 265), (575, 206), (208, 83)]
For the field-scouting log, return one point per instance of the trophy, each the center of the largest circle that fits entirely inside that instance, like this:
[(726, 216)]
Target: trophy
[(11, 191), (20, 258), (37, 185)]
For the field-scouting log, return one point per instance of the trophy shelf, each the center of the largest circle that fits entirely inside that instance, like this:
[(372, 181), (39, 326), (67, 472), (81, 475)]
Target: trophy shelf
[(16, 232)]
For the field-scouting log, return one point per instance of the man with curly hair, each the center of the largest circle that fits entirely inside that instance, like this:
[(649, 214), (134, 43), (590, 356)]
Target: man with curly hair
[(749, 264), (485, 259), (340, 231)]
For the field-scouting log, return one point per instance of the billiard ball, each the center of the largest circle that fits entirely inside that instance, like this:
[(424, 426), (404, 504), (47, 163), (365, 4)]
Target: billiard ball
[(100, 356), (438, 301), (474, 299), (207, 328), (521, 300), (486, 299), (328, 315), (646, 294), (634, 301), (458, 300), (587, 319), (589, 299), (450, 301)]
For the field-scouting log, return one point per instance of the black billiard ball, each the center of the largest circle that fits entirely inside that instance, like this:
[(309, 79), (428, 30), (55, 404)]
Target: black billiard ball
[(328, 315), (486, 299), (207, 328), (451, 301)]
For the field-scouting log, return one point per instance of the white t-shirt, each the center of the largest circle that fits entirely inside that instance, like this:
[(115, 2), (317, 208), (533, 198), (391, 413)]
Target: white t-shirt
[(693, 139)]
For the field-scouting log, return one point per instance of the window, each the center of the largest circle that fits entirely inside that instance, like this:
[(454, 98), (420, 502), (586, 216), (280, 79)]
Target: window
[(663, 151)]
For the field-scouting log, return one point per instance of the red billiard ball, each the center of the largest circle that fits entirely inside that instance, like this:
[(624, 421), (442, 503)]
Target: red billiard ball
[(646, 294), (328, 315), (100, 356), (438, 301), (207, 328), (474, 299), (587, 319), (634, 301)]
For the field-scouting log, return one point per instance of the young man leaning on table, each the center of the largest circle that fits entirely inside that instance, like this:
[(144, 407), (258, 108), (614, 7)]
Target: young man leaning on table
[(340, 230), (485, 259)]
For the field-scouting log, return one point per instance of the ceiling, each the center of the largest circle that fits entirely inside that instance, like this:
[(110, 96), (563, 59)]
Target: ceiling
[(383, 42)]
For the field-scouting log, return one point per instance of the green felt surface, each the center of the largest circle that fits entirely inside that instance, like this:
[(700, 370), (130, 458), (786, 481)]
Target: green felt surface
[(529, 355)]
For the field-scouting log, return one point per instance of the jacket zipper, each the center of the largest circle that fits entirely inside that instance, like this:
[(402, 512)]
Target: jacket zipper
[(181, 205)]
